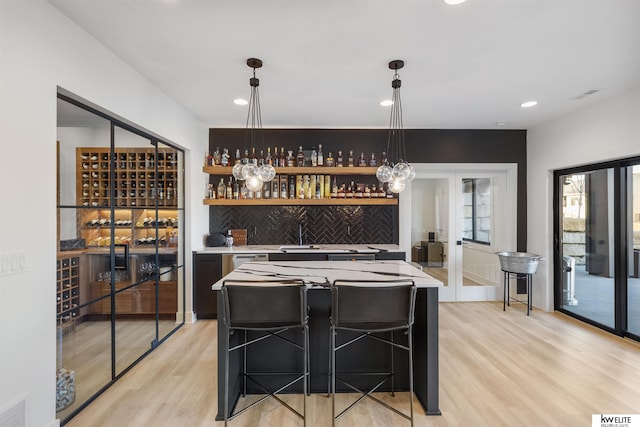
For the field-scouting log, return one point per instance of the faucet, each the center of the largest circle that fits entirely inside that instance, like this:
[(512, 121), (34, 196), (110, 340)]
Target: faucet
[(300, 233)]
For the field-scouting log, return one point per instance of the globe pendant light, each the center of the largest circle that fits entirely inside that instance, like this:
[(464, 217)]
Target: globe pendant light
[(396, 171), (254, 175)]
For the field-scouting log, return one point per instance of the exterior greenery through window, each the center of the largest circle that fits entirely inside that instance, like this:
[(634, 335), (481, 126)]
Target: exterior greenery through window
[(476, 205)]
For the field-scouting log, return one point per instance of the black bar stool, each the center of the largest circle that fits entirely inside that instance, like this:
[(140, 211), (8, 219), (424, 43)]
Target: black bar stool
[(271, 308), (371, 308)]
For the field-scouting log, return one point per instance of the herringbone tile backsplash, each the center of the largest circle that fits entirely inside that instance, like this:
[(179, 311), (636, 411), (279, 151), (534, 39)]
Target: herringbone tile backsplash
[(279, 225)]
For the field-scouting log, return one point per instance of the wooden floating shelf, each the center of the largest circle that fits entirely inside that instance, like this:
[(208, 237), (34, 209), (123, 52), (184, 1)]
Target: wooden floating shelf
[(318, 170), (299, 202)]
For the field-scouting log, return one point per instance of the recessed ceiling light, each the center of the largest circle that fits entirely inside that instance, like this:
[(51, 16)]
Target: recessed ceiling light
[(528, 104), (240, 101), (386, 103), (501, 123), (454, 2)]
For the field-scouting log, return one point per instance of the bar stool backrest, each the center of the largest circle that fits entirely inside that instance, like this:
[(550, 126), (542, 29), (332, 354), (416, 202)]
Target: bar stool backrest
[(375, 305), (264, 305)]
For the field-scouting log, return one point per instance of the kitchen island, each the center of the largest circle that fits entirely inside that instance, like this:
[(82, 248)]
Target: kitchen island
[(368, 354)]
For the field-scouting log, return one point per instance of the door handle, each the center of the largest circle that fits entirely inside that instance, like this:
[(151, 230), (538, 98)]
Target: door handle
[(460, 242)]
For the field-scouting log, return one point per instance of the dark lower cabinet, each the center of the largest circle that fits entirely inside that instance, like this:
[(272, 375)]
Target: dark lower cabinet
[(399, 256), (207, 270)]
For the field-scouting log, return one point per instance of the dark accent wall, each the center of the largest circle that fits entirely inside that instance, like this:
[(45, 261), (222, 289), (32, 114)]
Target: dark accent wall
[(422, 145)]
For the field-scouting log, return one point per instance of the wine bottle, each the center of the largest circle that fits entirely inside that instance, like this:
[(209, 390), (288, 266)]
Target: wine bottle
[(320, 156), (300, 158)]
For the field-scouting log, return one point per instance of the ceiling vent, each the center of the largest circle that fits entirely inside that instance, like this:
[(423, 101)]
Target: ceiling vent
[(584, 95)]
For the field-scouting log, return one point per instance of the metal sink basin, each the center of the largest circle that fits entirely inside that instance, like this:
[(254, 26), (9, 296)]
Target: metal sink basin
[(288, 248), (293, 249)]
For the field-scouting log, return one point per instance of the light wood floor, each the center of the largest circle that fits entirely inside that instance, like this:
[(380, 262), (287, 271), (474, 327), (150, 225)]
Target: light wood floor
[(496, 369)]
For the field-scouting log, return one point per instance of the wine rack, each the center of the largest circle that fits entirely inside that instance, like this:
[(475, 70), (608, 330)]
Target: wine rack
[(68, 287), (141, 177), (135, 227)]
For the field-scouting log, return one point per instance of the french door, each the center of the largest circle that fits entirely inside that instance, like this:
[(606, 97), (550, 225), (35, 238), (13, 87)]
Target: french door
[(459, 218)]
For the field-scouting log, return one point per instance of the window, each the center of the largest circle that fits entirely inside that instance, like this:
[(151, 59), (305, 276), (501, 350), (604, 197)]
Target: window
[(476, 210)]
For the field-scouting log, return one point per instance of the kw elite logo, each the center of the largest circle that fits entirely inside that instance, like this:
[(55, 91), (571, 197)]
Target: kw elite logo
[(615, 420)]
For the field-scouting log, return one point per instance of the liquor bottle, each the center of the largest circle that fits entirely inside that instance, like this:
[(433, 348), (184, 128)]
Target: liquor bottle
[(229, 190), (269, 160), (334, 189), (300, 158), (319, 186), (292, 186), (266, 190), (358, 191), (330, 161), (160, 191), (216, 157), (320, 156), (222, 189), (290, 159), (363, 161), (341, 192), (383, 159), (275, 188), (237, 159), (282, 162), (208, 159), (245, 158), (367, 192), (339, 159), (283, 190), (314, 158), (349, 192), (236, 189), (350, 159), (224, 158), (373, 161), (381, 192), (327, 187), (261, 158), (244, 191), (253, 159)]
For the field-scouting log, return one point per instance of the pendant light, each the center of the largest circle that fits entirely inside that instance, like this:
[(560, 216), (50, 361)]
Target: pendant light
[(396, 171), (253, 174)]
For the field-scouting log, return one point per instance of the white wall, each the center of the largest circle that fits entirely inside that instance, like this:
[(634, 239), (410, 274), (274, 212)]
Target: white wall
[(41, 49), (605, 131)]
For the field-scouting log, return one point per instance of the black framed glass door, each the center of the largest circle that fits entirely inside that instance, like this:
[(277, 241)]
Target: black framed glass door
[(120, 251), (597, 235)]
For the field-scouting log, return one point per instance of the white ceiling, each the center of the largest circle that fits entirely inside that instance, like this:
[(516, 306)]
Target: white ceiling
[(325, 61)]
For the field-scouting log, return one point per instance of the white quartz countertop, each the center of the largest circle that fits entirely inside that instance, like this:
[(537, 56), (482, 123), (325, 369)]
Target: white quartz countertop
[(264, 249), (323, 273)]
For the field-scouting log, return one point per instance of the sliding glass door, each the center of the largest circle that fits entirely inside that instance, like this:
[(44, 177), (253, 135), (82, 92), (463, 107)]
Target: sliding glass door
[(587, 249), (120, 267), (597, 230), (632, 173)]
